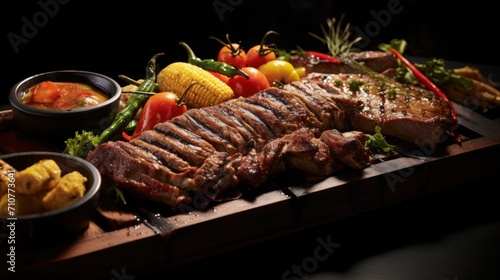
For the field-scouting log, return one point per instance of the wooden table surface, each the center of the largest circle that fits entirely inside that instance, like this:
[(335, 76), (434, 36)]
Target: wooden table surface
[(141, 242)]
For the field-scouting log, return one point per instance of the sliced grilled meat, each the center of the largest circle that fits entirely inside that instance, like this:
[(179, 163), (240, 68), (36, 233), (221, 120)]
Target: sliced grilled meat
[(213, 149), (131, 168), (144, 170), (316, 126)]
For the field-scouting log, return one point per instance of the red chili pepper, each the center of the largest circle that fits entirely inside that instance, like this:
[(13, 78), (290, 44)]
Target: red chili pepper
[(324, 56), (159, 108), (429, 84)]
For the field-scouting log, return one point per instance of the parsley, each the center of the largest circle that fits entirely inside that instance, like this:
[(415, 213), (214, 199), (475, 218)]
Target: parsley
[(377, 144)]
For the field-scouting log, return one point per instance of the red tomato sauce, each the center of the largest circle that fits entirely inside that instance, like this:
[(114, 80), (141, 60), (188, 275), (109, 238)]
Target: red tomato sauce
[(63, 95)]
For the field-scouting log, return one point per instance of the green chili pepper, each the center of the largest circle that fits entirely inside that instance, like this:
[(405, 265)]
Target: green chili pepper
[(131, 126), (134, 103), (136, 83), (213, 65)]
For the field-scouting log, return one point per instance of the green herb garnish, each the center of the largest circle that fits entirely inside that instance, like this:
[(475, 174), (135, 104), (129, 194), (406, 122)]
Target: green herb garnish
[(434, 68), (377, 143), (337, 38), (392, 94), (355, 85)]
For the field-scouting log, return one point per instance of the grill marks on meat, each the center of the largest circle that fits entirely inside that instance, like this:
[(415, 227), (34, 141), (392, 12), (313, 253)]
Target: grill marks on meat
[(244, 141), (406, 112), (324, 104), (242, 130), (208, 132), (134, 170), (222, 136), (179, 141), (259, 126)]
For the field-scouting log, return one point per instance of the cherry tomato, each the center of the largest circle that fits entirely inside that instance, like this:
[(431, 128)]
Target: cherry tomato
[(258, 55), (243, 87), (262, 53), (231, 53), (279, 72), (159, 108)]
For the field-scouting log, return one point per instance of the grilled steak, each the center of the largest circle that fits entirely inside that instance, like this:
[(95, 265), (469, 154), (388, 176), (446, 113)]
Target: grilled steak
[(402, 111), (315, 126)]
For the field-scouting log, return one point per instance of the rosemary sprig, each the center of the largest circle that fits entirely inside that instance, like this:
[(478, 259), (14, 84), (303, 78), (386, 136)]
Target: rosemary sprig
[(338, 40)]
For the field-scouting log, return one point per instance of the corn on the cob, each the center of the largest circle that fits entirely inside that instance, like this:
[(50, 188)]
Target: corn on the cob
[(208, 90)]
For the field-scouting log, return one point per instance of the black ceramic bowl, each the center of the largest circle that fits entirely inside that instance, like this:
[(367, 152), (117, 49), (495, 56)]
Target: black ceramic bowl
[(58, 125), (61, 222)]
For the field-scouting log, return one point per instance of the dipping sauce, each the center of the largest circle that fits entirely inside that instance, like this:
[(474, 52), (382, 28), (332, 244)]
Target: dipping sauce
[(62, 95)]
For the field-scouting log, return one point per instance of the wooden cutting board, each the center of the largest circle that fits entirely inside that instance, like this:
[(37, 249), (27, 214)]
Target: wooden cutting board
[(158, 239)]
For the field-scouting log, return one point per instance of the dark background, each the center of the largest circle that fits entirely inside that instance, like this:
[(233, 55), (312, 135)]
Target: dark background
[(118, 39), (451, 235)]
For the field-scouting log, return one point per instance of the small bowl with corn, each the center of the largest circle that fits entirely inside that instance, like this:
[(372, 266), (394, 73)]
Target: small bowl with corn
[(46, 195)]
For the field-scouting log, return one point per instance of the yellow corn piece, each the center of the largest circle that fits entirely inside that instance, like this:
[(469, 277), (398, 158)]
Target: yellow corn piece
[(42, 175), (69, 189), (25, 204), (207, 90), (6, 170)]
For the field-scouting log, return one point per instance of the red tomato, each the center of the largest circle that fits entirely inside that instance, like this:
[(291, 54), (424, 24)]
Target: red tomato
[(220, 76), (233, 54), (159, 108), (258, 55), (262, 53), (64, 95), (45, 92), (243, 87)]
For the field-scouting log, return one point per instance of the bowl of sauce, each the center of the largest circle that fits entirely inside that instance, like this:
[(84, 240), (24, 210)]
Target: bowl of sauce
[(54, 105), (63, 95)]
